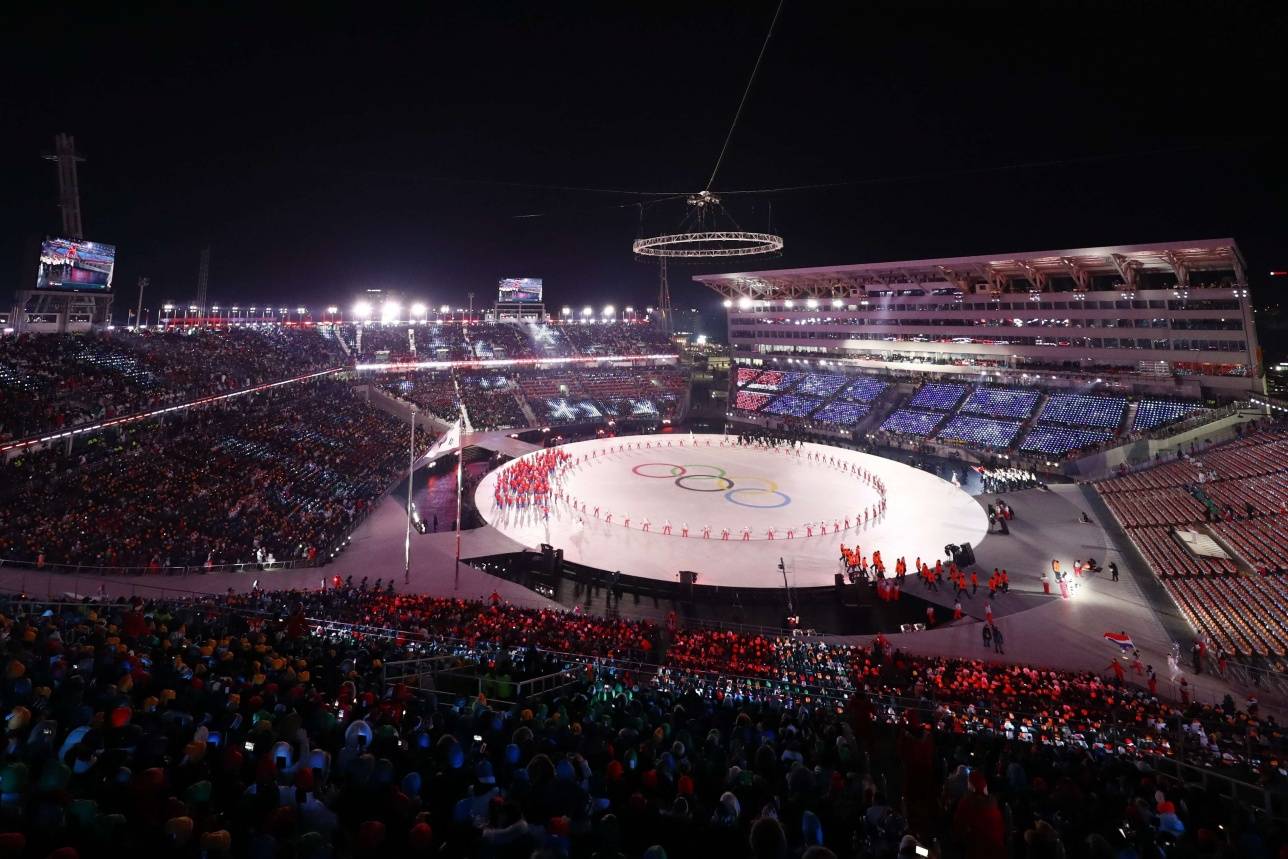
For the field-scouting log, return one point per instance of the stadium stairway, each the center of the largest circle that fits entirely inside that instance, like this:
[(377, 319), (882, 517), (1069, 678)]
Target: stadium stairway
[(344, 347), (1030, 422), (529, 415), (1129, 419), (1151, 587), (1245, 567)]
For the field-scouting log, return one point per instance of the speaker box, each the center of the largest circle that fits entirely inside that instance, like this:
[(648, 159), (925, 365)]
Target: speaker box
[(965, 555)]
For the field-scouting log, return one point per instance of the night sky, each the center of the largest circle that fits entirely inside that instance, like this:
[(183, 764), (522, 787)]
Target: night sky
[(323, 154)]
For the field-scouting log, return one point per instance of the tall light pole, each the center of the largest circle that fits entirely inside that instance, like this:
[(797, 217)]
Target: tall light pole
[(138, 313), (411, 475)]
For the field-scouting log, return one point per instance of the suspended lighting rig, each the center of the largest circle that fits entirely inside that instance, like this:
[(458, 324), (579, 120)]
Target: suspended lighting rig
[(699, 241)]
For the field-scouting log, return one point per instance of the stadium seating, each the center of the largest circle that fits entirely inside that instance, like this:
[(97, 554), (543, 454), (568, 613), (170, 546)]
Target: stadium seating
[(1213, 492), (1169, 506), (272, 737), (1057, 441), (911, 422), (821, 384), (51, 381), (559, 410), (865, 390), (286, 473), (750, 401), (1084, 410), (842, 413), (964, 429), (935, 395), (1151, 414), (1001, 402), (1241, 614), (793, 406), (775, 380), (1261, 542)]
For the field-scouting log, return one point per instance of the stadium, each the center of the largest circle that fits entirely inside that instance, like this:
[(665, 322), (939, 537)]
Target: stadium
[(965, 556)]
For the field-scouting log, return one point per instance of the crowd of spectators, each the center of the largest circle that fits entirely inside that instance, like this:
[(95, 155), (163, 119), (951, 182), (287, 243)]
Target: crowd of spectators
[(282, 475), (912, 422), (1084, 410), (437, 341), (842, 413), (1151, 414), (1058, 441), (822, 384), (793, 406), (236, 727), (53, 381), (984, 415), (618, 338), (1012, 403), (965, 429), (751, 401), (865, 390), (939, 396)]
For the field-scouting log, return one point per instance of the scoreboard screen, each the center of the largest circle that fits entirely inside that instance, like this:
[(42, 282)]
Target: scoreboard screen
[(520, 289), (76, 265)]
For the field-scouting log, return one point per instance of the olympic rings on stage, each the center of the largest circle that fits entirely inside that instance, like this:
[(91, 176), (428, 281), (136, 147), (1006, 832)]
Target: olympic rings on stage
[(681, 474), (679, 481), (676, 470), (786, 499)]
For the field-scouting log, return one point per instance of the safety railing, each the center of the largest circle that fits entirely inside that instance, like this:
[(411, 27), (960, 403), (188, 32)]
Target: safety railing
[(1245, 794)]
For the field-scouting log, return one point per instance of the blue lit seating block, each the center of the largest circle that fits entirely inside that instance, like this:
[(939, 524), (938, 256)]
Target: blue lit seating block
[(912, 422), (1001, 402), (980, 431)]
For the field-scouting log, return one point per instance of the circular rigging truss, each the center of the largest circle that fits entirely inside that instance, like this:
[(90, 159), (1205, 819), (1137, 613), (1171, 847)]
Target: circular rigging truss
[(703, 239), (708, 245)]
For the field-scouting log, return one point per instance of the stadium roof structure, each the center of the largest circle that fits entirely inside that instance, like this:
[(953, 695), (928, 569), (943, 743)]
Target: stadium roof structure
[(998, 272)]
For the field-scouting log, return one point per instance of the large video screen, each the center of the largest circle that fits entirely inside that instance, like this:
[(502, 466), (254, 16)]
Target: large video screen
[(520, 289), (75, 264)]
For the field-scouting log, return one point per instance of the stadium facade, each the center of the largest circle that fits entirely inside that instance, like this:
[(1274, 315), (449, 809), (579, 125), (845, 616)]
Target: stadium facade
[(1172, 318)]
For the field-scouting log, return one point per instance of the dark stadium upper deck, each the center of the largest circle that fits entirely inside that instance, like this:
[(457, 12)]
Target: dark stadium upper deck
[(1185, 264)]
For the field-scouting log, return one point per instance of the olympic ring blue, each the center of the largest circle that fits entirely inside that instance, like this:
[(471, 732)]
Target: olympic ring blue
[(787, 499)]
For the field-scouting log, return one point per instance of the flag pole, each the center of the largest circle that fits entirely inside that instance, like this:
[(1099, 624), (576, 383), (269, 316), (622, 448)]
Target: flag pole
[(411, 473), (460, 458)]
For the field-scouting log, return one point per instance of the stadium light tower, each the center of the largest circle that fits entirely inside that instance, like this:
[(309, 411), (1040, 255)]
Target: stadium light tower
[(587, 312), (567, 311), (445, 309), (609, 311), (418, 310), (362, 310), (390, 310)]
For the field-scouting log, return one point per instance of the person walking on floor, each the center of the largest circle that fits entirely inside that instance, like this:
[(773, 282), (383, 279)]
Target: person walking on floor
[(1113, 571), (997, 641), (988, 636)]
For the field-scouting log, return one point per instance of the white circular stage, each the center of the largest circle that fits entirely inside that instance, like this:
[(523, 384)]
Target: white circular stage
[(653, 505)]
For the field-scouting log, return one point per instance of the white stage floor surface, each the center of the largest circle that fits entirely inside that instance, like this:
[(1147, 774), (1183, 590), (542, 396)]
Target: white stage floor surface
[(708, 481)]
